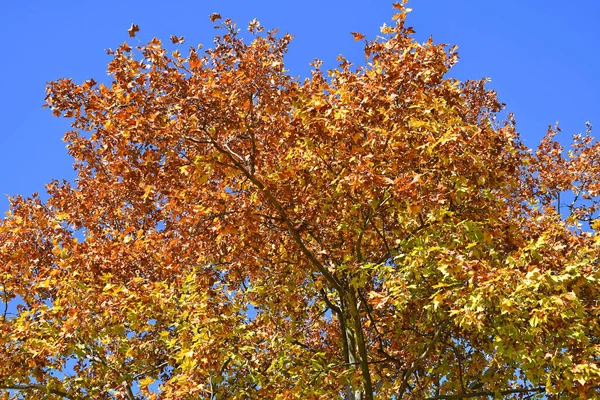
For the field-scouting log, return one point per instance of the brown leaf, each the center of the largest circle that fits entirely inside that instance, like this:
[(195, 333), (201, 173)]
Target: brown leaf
[(177, 40), (133, 30)]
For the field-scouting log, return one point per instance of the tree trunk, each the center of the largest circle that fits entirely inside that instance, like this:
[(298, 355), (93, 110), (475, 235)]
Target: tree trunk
[(360, 345), (354, 347)]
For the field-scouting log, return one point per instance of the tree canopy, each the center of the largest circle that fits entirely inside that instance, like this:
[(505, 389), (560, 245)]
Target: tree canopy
[(372, 231)]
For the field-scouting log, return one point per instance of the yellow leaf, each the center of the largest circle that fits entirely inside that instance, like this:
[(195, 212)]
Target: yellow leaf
[(145, 382), (62, 216), (164, 335)]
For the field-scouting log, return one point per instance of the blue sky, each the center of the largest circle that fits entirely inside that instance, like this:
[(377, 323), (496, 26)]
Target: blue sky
[(542, 57)]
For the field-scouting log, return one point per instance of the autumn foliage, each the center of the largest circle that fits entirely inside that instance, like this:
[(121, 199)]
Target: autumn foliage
[(373, 231)]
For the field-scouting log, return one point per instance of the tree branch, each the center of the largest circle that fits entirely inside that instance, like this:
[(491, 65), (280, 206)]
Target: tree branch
[(143, 373), (38, 387), (539, 389), (128, 391)]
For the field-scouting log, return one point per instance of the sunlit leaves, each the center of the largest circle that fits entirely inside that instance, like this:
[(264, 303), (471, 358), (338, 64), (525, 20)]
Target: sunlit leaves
[(234, 232)]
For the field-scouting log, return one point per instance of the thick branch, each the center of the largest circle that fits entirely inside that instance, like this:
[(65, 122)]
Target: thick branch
[(128, 391), (37, 387)]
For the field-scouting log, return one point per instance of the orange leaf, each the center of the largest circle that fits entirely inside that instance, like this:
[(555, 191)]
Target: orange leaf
[(357, 36)]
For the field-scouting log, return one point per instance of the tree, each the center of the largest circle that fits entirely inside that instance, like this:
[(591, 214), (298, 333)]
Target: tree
[(236, 233)]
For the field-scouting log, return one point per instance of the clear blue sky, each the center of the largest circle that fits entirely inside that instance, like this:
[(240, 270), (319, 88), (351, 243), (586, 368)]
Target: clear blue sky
[(542, 57)]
